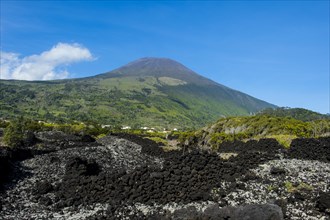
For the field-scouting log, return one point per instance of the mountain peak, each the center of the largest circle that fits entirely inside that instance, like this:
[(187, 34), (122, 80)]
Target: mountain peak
[(159, 67), (155, 59), (156, 63)]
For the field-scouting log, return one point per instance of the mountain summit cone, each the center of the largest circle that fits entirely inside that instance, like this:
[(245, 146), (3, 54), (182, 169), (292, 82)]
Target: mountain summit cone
[(159, 67)]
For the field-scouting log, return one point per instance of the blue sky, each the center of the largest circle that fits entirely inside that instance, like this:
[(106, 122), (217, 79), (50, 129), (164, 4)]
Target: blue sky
[(277, 51)]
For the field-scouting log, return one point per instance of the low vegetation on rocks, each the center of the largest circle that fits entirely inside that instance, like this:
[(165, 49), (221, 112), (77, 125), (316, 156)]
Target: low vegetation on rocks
[(283, 129)]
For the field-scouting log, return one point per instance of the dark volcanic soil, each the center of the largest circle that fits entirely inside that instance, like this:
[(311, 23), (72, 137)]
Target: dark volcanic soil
[(125, 176)]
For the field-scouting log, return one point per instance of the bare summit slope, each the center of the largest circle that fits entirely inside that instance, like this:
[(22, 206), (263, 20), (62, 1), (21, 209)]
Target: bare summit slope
[(159, 67)]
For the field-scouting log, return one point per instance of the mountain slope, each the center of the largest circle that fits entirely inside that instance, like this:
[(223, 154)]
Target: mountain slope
[(153, 92)]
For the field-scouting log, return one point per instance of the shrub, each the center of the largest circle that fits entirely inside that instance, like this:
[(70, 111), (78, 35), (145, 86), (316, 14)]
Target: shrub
[(14, 134), (3, 123)]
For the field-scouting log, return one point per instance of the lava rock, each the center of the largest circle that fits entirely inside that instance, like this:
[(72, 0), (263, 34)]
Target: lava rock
[(215, 212), (78, 166), (30, 139), (43, 187), (277, 171), (89, 180), (46, 201), (87, 138), (185, 213), (310, 149), (323, 202), (258, 212), (283, 203)]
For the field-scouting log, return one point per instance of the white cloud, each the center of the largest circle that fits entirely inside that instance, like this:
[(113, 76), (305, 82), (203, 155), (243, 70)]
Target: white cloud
[(45, 66)]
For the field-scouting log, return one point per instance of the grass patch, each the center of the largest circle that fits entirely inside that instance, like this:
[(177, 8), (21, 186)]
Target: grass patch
[(158, 140), (301, 187), (284, 140)]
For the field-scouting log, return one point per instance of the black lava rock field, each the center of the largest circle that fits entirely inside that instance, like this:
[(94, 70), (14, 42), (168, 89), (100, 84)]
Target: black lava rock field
[(124, 176)]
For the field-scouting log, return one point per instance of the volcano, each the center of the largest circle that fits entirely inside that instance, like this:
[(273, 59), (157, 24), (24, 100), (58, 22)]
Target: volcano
[(153, 92)]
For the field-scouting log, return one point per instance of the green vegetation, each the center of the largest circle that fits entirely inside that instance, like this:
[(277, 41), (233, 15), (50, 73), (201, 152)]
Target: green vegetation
[(14, 134), (283, 139), (290, 187), (15, 131), (159, 140), (268, 125), (296, 113), (244, 128), (283, 129)]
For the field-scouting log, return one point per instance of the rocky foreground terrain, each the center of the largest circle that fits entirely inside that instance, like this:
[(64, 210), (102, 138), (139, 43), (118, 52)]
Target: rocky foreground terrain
[(61, 176)]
